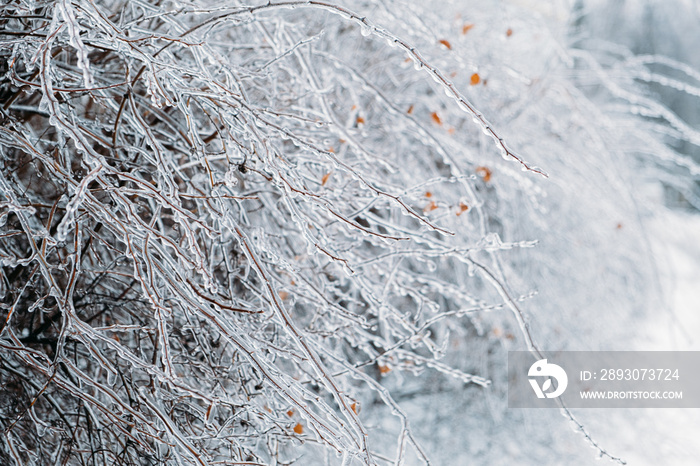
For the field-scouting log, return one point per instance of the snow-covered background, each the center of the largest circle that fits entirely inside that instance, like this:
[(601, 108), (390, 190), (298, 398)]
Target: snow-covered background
[(591, 297)]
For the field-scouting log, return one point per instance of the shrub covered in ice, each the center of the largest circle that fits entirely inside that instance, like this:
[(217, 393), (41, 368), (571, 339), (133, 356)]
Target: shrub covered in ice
[(228, 229)]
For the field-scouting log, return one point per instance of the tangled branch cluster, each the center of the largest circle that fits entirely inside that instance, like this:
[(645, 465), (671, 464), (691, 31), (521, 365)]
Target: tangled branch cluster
[(213, 248)]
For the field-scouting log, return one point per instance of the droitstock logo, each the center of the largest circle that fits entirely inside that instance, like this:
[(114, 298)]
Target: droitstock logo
[(543, 369)]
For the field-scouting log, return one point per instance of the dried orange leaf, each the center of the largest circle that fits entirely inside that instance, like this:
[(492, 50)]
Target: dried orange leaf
[(430, 207), (436, 118), (290, 413), (324, 180), (484, 173), (354, 107), (354, 407), (462, 208), (360, 120), (475, 79), (446, 44), (384, 369), (466, 28), (410, 110), (283, 295), (509, 32), (428, 194), (298, 429)]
